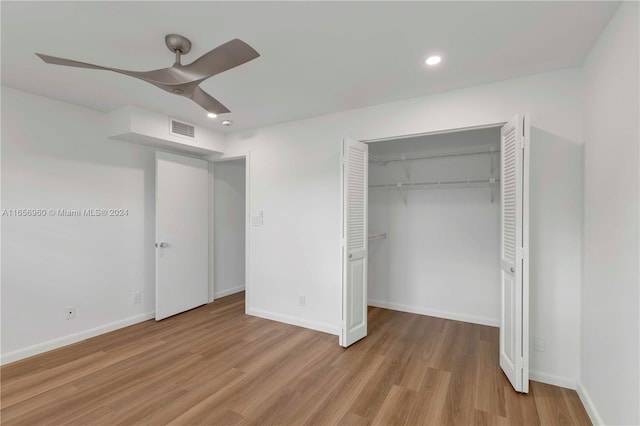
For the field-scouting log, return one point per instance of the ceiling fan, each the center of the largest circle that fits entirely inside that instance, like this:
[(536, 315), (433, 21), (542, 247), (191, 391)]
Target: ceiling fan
[(183, 80)]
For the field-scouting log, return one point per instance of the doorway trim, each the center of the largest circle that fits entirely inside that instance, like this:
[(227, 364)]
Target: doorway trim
[(342, 195), (247, 228), (526, 310), (434, 132)]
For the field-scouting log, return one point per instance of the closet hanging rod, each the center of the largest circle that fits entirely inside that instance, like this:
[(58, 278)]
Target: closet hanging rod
[(384, 161), (435, 184)]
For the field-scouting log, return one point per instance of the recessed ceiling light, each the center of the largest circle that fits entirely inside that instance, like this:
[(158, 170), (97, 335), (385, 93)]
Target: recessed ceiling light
[(212, 115), (433, 60)]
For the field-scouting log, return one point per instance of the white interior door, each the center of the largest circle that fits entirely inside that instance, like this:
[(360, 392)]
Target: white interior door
[(514, 319), (182, 240), (355, 163)]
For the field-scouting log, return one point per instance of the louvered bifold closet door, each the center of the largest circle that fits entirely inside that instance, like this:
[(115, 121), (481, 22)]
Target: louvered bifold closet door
[(514, 229), (354, 282)]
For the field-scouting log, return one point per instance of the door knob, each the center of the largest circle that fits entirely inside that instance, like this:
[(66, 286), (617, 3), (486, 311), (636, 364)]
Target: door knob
[(162, 245), (350, 255), (513, 269)]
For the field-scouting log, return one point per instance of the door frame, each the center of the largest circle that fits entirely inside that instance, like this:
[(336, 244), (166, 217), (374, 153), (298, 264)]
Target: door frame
[(247, 224), (434, 132), (526, 310), (386, 139)]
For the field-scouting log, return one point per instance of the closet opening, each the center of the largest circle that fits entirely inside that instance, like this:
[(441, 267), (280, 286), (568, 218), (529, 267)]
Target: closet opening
[(438, 224), (434, 225), (229, 221)]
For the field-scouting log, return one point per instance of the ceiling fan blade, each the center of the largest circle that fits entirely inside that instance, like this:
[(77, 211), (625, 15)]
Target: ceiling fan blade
[(208, 102), (167, 76), (222, 58), (68, 62)]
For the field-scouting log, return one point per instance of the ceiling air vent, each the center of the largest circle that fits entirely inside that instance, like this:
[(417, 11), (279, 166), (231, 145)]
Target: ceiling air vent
[(185, 130)]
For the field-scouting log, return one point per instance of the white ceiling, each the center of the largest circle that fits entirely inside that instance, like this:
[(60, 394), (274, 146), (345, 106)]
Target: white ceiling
[(316, 57)]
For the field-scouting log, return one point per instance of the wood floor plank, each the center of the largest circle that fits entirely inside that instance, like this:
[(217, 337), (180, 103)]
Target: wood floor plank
[(433, 395), (351, 419), (489, 387), (335, 405), (20, 411), (194, 396), (45, 380), (551, 406), (482, 418), (280, 376), (576, 410), (459, 407), (520, 408), (372, 397), (400, 407), (215, 365), (302, 402), (294, 384)]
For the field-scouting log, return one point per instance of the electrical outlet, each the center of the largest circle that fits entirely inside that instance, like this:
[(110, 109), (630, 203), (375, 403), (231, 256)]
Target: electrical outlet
[(70, 312), (301, 301), (137, 297), (540, 344)]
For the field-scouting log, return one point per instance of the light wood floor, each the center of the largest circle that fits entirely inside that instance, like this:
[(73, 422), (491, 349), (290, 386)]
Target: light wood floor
[(215, 365)]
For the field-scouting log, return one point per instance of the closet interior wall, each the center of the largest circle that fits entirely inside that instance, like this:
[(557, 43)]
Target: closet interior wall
[(441, 252)]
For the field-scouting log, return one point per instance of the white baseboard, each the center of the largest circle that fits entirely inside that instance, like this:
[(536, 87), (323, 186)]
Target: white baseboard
[(73, 338), (227, 292), (550, 379), (432, 313), (318, 326), (589, 405)]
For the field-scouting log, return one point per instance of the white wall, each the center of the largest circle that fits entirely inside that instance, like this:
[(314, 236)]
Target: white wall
[(229, 227), (555, 257), (295, 179), (55, 156), (441, 256), (610, 373)]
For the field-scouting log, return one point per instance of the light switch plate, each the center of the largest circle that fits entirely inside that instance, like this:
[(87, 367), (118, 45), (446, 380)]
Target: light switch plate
[(258, 219)]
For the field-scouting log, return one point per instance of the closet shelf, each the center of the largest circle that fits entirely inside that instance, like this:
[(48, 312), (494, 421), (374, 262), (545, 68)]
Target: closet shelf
[(468, 183), (378, 236), (384, 161)]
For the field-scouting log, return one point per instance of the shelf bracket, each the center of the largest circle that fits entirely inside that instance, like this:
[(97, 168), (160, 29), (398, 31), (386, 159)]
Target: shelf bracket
[(492, 181), (406, 167), (404, 194), (375, 159), (492, 150)]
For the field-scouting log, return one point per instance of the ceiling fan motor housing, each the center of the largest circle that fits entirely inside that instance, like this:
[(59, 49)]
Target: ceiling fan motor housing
[(176, 42)]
